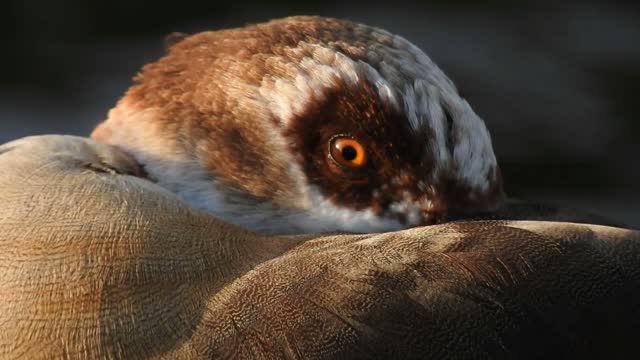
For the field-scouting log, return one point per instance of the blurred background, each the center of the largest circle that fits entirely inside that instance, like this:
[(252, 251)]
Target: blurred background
[(556, 82)]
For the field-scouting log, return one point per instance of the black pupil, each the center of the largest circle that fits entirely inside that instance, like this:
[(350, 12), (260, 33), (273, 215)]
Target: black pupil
[(349, 153)]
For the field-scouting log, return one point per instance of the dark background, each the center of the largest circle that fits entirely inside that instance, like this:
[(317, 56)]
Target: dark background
[(557, 83)]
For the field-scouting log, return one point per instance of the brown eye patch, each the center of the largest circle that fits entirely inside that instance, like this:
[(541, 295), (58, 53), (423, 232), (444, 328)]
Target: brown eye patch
[(397, 165), (351, 146)]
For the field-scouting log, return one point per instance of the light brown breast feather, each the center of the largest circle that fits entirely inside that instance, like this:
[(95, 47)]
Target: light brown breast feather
[(99, 264), (89, 256)]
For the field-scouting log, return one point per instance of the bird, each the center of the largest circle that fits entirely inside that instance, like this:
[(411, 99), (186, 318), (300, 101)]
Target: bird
[(307, 124), (297, 125)]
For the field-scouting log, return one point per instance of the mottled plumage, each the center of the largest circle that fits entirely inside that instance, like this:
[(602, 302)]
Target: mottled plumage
[(240, 123)]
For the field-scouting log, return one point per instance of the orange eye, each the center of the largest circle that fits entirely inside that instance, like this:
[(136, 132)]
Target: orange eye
[(348, 152)]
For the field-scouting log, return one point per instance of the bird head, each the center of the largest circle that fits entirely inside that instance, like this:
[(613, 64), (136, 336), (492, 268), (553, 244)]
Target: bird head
[(308, 124)]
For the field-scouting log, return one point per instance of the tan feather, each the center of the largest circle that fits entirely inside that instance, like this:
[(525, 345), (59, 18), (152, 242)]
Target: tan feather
[(95, 263)]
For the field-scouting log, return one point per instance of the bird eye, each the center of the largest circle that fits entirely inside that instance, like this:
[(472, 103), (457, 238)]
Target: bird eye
[(348, 152)]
